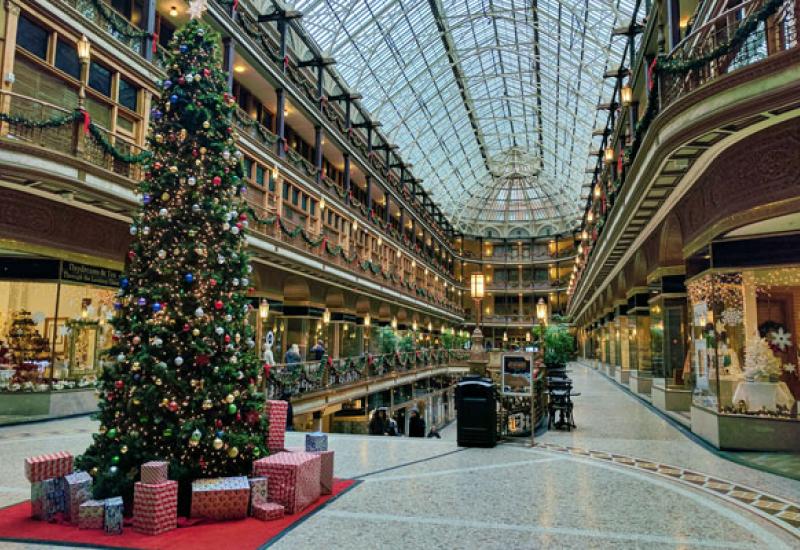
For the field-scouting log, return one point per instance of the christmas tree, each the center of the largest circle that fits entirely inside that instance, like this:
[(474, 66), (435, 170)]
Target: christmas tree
[(183, 386)]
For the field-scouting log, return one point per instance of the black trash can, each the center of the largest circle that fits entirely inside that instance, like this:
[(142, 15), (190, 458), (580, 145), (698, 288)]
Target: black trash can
[(476, 405)]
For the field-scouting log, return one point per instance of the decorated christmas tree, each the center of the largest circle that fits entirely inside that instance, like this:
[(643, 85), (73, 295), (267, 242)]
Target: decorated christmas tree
[(183, 386)]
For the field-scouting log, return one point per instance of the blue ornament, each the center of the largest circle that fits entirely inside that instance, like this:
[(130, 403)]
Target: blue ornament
[(117, 305), (156, 307), (188, 277), (124, 282), (146, 198), (173, 98), (136, 377), (167, 84), (155, 114), (184, 48), (220, 433), (141, 301)]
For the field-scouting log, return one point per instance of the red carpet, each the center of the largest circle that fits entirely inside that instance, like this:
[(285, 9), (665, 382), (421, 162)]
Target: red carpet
[(17, 525)]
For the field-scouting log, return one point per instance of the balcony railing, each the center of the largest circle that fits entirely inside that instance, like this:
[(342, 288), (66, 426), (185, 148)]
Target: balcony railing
[(328, 374), (72, 137), (295, 235), (111, 21), (702, 46)]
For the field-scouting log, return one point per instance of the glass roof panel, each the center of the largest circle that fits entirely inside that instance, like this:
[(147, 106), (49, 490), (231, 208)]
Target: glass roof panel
[(492, 101)]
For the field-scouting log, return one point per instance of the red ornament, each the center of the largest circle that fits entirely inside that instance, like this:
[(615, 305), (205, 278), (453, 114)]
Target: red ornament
[(216, 180), (239, 416), (266, 370), (195, 153), (218, 304), (218, 423), (212, 282), (201, 360), (157, 165), (206, 72), (173, 406), (131, 254), (119, 384), (242, 216), (110, 396), (186, 327), (227, 338)]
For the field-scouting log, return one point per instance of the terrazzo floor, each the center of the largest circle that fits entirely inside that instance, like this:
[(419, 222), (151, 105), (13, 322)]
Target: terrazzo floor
[(423, 493)]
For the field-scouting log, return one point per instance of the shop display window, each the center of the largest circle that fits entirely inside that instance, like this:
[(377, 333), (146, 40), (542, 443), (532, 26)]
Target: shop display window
[(744, 352), (53, 335)]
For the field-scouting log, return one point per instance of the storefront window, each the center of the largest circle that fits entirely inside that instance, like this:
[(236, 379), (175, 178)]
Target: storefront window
[(53, 335)]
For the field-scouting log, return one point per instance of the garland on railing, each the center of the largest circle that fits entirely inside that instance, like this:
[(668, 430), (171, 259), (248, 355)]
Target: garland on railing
[(248, 122), (53, 122), (111, 17), (110, 149), (680, 66)]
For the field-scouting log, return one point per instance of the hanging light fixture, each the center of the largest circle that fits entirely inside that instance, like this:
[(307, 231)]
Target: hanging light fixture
[(173, 11), (505, 336), (590, 217), (477, 286), (367, 320), (326, 316), (597, 191), (626, 95), (394, 323), (322, 204), (414, 325), (541, 310)]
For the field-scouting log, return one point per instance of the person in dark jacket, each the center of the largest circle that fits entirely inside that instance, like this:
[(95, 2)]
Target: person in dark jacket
[(416, 425), (318, 350), (289, 412), (378, 424)]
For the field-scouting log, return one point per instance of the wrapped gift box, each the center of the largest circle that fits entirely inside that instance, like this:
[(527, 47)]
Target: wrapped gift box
[(91, 514), (37, 499), (277, 412), (293, 478), (268, 511), (220, 498), (316, 441), (78, 489), (155, 507), (39, 468), (55, 498), (112, 522), (155, 472), (326, 472), (258, 490), (295, 449)]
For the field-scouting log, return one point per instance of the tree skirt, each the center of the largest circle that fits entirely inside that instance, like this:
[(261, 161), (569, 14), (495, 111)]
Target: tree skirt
[(16, 525)]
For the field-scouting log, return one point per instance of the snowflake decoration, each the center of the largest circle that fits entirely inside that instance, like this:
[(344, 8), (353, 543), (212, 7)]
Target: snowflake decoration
[(781, 339), (732, 317), (38, 317), (197, 8), (789, 368)]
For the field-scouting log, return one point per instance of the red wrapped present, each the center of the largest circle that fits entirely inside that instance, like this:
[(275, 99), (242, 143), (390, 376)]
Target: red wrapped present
[(155, 472), (220, 498), (293, 478), (39, 468), (268, 511), (277, 412), (155, 507), (326, 472)]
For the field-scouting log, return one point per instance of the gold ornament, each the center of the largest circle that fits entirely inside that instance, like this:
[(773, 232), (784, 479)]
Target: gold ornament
[(233, 452), (207, 404), (173, 169), (159, 138), (123, 449), (165, 197), (206, 124), (235, 394), (158, 381), (229, 398), (217, 443), (203, 150), (94, 471)]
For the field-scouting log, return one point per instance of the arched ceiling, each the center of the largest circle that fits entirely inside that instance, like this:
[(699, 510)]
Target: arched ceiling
[(459, 84)]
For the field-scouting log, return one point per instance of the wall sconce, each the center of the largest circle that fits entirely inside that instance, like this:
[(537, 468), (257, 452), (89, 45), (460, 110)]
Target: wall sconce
[(394, 323), (263, 309), (626, 95), (609, 154), (597, 191), (367, 320), (173, 11), (589, 217), (322, 204), (326, 316)]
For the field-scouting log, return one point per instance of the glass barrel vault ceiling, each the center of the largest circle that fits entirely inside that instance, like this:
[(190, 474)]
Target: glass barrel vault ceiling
[(472, 89)]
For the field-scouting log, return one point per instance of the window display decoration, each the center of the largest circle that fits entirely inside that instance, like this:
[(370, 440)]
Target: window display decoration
[(760, 363), (732, 317), (781, 339), (717, 290)]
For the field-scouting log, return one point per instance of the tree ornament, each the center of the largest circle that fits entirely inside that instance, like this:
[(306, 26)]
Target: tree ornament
[(133, 230), (219, 331), (233, 452), (178, 361), (199, 312), (196, 332), (217, 443), (218, 304), (115, 459), (206, 124), (136, 340), (207, 404), (162, 254), (112, 433), (189, 278)]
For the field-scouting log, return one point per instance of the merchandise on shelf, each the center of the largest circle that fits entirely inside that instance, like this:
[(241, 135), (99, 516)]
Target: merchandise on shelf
[(112, 522), (39, 468), (294, 478), (277, 412), (326, 472), (155, 507), (268, 511), (154, 472), (78, 490), (258, 490), (91, 514), (220, 498), (316, 441)]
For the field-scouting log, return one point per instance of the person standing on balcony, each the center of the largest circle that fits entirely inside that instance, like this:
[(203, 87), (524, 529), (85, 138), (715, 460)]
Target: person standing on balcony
[(318, 350), (292, 355), (416, 425)]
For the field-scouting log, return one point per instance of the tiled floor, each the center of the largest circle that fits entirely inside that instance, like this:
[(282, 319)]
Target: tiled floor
[(628, 480)]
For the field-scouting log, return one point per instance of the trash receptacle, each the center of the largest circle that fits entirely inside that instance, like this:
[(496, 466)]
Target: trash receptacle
[(476, 416)]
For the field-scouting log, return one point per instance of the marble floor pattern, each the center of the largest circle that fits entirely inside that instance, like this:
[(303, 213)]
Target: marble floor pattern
[(580, 489)]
